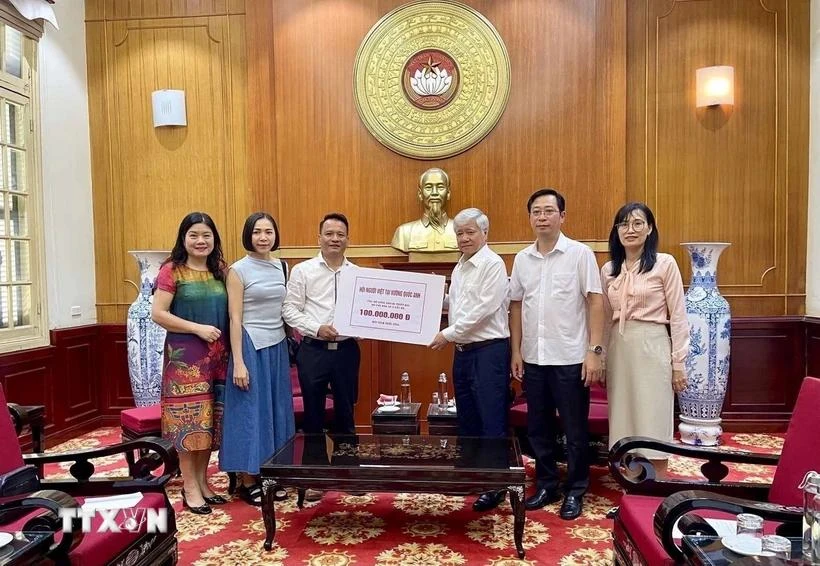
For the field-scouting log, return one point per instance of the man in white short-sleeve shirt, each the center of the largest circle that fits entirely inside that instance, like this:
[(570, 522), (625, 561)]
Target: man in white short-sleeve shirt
[(479, 327), (556, 330)]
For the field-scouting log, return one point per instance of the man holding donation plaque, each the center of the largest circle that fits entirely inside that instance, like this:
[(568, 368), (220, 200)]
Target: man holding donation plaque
[(479, 327)]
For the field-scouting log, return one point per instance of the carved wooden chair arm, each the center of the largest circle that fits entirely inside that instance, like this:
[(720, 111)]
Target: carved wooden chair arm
[(636, 474), (50, 501), (19, 416), (157, 452), (679, 504)]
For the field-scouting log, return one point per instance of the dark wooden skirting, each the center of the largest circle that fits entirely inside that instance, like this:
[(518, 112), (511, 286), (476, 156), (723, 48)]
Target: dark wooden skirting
[(767, 366), (82, 378)]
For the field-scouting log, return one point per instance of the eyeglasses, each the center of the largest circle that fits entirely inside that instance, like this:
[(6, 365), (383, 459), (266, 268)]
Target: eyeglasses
[(543, 212), (637, 225)]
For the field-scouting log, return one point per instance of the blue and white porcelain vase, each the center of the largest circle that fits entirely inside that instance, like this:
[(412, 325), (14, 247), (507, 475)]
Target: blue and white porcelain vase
[(707, 365), (146, 339)]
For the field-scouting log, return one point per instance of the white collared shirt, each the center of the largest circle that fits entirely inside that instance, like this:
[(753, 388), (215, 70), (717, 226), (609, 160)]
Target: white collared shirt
[(478, 299), (311, 298), (552, 289)]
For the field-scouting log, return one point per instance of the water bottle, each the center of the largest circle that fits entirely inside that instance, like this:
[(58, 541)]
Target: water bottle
[(442, 388), (811, 517), (405, 399)]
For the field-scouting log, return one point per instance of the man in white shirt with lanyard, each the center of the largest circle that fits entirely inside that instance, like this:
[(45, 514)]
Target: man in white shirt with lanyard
[(479, 326), (556, 329), (324, 358)]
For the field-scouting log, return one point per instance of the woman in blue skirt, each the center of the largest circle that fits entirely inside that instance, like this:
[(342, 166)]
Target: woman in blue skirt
[(258, 398)]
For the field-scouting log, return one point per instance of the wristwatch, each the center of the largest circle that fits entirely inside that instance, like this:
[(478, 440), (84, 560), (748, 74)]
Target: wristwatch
[(598, 349)]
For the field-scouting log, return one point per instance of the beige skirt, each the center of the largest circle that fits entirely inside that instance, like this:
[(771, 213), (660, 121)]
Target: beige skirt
[(639, 384)]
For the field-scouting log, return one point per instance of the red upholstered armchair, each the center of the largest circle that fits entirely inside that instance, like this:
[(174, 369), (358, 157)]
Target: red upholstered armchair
[(28, 502), (643, 530)]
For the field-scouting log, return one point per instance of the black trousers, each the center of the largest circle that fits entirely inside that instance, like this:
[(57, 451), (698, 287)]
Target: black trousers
[(320, 368), (481, 379), (558, 387)]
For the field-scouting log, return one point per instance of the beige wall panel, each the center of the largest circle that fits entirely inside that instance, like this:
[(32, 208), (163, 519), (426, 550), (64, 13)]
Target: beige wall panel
[(105, 253), (734, 174), (551, 133), (175, 170), (797, 150), (146, 179)]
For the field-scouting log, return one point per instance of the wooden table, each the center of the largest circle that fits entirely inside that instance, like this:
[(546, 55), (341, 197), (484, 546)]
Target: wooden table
[(404, 421), (440, 421), (394, 464)]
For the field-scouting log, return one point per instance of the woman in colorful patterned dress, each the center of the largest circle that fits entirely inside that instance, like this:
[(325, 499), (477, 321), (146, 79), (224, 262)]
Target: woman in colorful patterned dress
[(258, 394), (643, 292), (191, 303)]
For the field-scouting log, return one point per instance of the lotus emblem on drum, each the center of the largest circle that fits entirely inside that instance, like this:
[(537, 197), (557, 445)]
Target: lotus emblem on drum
[(430, 79)]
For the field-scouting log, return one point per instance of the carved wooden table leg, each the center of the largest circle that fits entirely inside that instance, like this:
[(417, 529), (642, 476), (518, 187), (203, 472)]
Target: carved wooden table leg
[(517, 504), (300, 497), (268, 512)]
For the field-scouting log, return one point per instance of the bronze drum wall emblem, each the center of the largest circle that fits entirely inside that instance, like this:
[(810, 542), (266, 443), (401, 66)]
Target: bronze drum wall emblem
[(431, 79)]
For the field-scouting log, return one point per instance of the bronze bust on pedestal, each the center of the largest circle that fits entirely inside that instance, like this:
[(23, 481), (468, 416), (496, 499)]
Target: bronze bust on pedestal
[(434, 231)]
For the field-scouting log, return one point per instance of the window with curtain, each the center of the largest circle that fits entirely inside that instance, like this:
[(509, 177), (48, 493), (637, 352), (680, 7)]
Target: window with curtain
[(22, 317)]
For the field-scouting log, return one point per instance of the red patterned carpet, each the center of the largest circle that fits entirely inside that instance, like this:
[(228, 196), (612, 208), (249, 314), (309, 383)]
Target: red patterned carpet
[(403, 529)]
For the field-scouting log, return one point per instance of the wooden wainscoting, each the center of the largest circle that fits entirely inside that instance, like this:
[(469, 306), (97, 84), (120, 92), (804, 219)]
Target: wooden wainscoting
[(82, 378)]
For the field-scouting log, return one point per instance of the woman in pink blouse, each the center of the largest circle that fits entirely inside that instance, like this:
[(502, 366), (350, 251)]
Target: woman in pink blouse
[(643, 293)]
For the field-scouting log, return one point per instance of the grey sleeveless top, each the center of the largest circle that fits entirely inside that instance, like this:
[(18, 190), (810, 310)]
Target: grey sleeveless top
[(264, 283)]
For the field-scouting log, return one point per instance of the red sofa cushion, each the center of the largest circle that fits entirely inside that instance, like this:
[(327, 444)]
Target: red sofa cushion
[(799, 454), (598, 419), (637, 513), (142, 420), (597, 394), (98, 549), (12, 456), (517, 415)]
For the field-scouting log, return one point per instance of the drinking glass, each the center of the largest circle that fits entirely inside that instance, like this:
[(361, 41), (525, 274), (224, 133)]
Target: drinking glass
[(777, 546), (749, 524)]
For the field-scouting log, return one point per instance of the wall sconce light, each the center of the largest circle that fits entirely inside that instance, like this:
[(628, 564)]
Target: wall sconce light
[(169, 108), (715, 85)]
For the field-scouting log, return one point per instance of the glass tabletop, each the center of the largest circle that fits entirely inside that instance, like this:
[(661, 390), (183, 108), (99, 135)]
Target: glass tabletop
[(21, 543), (709, 551), (358, 451)]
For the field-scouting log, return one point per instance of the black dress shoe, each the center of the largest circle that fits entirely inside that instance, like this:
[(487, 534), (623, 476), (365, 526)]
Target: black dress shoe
[(215, 500), (489, 500), (571, 507), (203, 509), (542, 497)]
